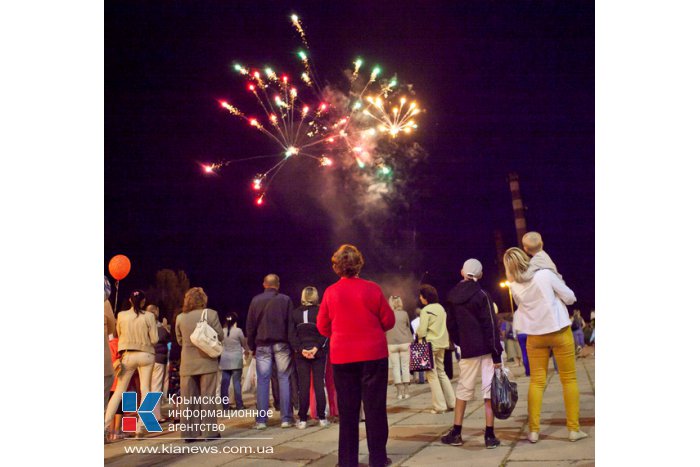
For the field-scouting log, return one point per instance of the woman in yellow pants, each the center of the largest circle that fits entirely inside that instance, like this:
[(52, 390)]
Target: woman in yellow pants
[(541, 296)]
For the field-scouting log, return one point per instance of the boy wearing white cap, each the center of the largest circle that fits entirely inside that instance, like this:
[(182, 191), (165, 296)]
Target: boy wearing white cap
[(472, 326)]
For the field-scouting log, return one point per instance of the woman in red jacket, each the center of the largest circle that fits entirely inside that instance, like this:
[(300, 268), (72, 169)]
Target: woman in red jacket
[(355, 315)]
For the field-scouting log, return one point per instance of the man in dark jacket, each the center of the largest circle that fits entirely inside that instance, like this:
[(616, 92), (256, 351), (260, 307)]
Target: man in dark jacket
[(472, 325), (269, 329)]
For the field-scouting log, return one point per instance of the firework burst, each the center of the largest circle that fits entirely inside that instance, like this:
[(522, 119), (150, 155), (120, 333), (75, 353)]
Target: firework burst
[(323, 124)]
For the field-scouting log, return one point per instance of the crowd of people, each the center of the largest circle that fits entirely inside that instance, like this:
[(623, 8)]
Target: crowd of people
[(331, 356)]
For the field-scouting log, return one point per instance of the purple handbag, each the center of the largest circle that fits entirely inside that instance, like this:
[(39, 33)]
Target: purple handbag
[(421, 356)]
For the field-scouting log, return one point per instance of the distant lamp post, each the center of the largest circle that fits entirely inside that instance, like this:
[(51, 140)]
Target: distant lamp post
[(506, 284)]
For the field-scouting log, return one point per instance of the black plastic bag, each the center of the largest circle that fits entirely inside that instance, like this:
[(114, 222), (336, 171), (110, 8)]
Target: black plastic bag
[(504, 394)]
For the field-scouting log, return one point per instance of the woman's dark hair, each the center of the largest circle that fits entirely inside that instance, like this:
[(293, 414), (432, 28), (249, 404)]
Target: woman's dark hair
[(347, 261), (230, 320), (429, 293), (137, 296)]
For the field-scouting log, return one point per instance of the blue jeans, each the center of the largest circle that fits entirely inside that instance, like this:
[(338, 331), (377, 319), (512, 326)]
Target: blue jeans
[(225, 381), (522, 341), (263, 366)]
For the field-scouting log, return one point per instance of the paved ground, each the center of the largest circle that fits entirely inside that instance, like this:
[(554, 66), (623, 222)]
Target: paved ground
[(413, 436)]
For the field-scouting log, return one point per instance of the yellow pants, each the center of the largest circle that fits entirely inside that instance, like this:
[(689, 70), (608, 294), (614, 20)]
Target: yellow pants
[(538, 347)]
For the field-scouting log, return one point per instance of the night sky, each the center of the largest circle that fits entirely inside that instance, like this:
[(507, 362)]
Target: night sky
[(508, 87)]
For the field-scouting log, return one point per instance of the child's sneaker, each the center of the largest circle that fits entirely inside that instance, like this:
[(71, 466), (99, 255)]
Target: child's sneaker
[(452, 438), (491, 442)]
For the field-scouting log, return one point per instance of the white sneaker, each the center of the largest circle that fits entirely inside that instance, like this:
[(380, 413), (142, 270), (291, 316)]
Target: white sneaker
[(324, 423), (301, 425), (577, 435), (286, 425), (259, 426), (533, 436), (406, 396)]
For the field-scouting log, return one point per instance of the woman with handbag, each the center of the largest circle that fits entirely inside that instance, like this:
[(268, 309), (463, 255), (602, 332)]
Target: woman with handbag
[(543, 316), (355, 315), (399, 339), (137, 334), (433, 328), (198, 370)]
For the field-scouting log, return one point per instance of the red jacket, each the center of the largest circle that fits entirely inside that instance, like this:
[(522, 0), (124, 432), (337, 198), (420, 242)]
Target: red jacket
[(355, 315)]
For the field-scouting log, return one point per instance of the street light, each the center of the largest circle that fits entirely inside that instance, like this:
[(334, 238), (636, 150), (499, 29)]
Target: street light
[(505, 284)]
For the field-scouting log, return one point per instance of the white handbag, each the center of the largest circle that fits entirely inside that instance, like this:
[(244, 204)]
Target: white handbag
[(205, 338)]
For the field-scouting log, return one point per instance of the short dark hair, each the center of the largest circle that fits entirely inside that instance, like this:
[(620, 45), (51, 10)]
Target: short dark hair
[(429, 293), (347, 261)]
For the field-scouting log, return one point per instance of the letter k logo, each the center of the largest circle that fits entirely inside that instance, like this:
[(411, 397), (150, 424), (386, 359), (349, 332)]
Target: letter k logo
[(145, 411)]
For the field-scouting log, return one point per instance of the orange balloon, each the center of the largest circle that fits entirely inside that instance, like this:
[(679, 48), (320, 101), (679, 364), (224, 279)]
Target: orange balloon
[(119, 267)]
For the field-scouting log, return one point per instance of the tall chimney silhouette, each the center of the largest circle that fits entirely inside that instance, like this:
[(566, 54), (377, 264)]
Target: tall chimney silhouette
[(518, 207)]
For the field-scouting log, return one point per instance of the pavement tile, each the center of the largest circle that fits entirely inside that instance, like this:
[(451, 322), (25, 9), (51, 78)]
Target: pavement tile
[(554, 444), (426, 418), (469, 454), (321, 447), (580, 463), (331, 460), (421, 434), (396, 459), (267, 462), (396, 448), (294, 451)]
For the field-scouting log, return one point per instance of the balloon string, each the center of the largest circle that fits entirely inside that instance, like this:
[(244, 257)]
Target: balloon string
[(116, 296)]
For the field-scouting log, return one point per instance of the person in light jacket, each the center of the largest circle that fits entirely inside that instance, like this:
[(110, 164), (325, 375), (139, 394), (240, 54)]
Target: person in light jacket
[(543, 316), (197, 369), (399, 339), (137, 333), (231, 361), (433, 328), (109, 330)]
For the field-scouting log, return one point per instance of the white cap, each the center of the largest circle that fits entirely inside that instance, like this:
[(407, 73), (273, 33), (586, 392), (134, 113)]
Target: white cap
[(472, 268)]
